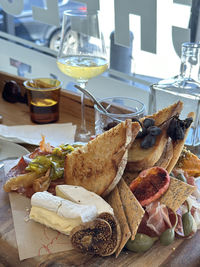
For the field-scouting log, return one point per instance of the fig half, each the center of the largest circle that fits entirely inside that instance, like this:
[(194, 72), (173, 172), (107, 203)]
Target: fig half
[(150, 185)]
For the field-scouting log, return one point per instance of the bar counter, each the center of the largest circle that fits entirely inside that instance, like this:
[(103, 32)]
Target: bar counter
[(179, 254)]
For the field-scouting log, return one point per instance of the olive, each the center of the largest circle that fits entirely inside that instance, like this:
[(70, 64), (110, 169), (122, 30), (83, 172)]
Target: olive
[(148, 141), (141, 243), (148, 122), (167, 237), (172, 174), (154, 130), (181, 177), (187, 221)]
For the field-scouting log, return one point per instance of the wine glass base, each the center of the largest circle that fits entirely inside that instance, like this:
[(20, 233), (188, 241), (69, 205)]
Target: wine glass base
[(82, 136)]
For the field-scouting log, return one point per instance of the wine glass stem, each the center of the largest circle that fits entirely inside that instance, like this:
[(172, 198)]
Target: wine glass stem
[(83, 121)]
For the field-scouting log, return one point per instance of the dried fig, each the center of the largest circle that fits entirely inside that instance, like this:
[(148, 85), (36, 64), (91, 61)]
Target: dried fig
[(100, 236)]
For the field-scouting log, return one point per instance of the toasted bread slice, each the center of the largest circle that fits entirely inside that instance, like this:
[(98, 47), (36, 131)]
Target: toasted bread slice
[(166, 156), (140, 158), (178, 147), (98, 166)]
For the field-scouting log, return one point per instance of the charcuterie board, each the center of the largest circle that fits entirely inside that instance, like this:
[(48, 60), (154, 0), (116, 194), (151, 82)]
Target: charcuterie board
[(182, 252)]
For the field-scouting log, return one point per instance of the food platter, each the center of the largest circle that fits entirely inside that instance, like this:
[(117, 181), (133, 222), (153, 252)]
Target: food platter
[(172, 195)]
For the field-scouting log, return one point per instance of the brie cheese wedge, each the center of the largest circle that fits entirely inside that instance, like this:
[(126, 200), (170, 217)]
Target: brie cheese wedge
[(58, 213), (80, 195)]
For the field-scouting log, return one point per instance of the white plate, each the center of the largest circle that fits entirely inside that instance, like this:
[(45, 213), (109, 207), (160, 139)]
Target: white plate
[(9, 150)]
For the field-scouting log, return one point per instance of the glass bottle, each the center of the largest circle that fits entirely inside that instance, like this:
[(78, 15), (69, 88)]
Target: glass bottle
[(184, 87)]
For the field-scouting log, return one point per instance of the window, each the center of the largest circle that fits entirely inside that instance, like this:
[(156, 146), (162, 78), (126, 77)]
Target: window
[(155, 28)]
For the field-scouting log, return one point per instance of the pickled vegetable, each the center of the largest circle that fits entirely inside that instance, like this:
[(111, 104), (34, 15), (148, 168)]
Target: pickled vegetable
[(53, 161), (181, 177), (187, 221), (141, 243), (167, 237), (40, 165)]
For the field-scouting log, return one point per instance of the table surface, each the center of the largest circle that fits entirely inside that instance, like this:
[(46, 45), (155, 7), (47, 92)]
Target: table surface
[(180, 253)]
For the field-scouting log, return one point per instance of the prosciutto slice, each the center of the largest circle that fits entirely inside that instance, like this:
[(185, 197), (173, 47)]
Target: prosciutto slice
[(158, 217), (156, 220)]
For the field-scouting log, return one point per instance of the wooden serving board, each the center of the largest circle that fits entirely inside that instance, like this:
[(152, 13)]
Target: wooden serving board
[(182, 253)]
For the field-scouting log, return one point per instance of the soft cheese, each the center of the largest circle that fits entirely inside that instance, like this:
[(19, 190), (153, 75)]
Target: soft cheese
[(58, 213), (80, 195)]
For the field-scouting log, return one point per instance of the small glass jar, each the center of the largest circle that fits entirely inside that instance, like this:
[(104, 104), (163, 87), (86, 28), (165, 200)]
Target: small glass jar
[(184, 87), (119, 109)]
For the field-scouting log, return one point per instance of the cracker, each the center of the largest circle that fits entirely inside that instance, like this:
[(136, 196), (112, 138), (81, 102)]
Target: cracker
[(176, 194), (115, 202), (133, 209)]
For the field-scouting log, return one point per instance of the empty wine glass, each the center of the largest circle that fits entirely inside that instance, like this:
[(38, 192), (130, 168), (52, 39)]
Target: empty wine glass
[(82, 53)]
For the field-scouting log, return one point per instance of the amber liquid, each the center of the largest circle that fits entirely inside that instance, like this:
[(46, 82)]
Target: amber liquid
[(44, 111)]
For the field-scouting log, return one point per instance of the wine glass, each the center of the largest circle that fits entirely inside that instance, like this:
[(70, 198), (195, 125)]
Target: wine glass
[(82, 54)]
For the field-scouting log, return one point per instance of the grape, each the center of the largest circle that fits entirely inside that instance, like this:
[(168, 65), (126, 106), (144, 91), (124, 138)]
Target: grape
[(188, 122), (171, 129), (179, 133), (177, 127), (148, 122), (148, 141), (154, 130), (142, 133)]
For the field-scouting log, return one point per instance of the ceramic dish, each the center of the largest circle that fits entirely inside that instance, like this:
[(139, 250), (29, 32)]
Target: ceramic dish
[(11, 150)]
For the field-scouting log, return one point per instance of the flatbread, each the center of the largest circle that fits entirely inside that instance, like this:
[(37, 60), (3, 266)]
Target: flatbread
[(133, 209), (176, 194), (114, 200)]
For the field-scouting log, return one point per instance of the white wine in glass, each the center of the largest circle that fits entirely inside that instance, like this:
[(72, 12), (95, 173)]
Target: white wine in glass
[(82, 54)]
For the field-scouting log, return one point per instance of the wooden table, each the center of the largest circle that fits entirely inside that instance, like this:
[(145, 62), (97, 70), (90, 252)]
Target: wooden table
[(179, 254)]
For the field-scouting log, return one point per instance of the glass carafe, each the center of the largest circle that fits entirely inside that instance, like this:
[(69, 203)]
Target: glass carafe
[(184, 87)]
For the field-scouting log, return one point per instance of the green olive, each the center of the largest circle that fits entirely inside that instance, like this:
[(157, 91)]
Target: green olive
[(187, 221), (181, 177), (167, 237), (141, 243)]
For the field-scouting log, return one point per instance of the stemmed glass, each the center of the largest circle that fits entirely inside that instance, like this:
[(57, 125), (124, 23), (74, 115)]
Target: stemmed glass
[(82, 54)]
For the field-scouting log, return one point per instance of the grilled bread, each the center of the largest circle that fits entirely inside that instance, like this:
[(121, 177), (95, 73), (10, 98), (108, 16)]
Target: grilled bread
[(98, 166), (167, 155), (140, 158)]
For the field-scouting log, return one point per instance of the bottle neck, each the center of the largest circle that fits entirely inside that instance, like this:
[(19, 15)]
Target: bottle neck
[(190, 59)]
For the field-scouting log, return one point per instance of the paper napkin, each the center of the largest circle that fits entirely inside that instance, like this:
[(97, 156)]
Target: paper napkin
[(55, 134)]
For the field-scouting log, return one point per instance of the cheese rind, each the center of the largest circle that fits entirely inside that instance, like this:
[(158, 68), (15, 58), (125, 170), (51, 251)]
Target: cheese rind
[(46, 201), (80, 195), (54, 221), (58, 213)]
